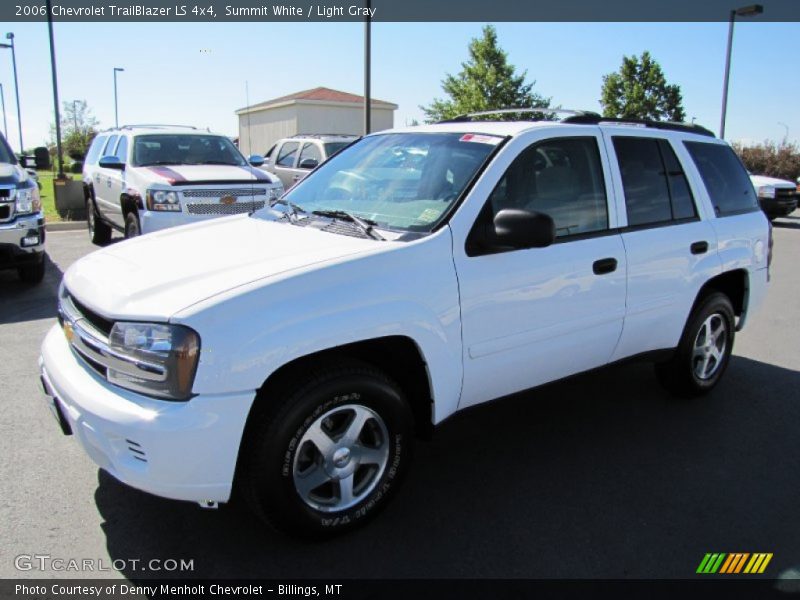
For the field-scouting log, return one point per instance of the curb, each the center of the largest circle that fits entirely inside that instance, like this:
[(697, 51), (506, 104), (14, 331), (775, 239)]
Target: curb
[(65, 225)]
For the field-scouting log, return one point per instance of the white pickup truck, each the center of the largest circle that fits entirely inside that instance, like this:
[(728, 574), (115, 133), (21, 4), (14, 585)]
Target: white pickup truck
[(297, 353)]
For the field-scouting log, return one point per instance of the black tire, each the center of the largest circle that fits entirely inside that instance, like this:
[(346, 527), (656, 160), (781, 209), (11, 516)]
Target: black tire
[(132, 226), (32, 273), (99, 232), (680, 374), (276, 447)]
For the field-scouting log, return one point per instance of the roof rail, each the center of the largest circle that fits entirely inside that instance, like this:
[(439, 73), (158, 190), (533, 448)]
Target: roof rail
[(513, 111), (596, 119), (319, 135), (155, 126)]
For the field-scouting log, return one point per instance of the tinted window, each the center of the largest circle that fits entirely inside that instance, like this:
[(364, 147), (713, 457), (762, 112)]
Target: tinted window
[(122, 149), (310, 150), (94, 150), (332, 148), (560, 177), (725, 178), (286, 154), (270, 151), (655, 186), (109, 149)]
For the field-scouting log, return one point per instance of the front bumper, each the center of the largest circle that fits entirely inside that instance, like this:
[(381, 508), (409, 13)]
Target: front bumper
[(180, 450), (780, 206), (13, 251)]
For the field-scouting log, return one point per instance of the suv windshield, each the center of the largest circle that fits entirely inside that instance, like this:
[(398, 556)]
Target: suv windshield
[(404, 181), (191, 149)]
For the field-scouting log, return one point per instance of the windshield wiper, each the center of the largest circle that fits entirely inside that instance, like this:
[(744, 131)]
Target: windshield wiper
[(296, 209), (366, 225)]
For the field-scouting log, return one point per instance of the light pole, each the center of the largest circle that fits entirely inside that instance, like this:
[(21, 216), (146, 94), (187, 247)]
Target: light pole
[(116, 109), (3, 102), (744, 11), (367, 71), (10, 38), (54, 75)]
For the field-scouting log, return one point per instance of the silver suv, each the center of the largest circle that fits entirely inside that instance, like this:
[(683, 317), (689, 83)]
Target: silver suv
[(294, 157)]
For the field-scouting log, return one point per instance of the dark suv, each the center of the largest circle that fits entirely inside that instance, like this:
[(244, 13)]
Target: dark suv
[(21, 219)]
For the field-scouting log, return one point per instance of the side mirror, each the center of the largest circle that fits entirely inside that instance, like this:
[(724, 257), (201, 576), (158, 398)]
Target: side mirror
[(520, 229), (308, 163), (256, 160), (111, 162)]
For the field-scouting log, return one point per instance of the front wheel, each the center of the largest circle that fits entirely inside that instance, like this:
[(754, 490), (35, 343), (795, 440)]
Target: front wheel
[(99, 232), (704, 350), (132, 226), (329, 452)]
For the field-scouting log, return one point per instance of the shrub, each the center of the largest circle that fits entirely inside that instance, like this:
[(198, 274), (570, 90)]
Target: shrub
[(781, 160)]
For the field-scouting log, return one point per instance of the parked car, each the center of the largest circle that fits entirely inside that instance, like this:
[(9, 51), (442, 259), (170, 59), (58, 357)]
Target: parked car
[(143, 178), (293, 158), (295, 354), (22, 228), (777, 197)]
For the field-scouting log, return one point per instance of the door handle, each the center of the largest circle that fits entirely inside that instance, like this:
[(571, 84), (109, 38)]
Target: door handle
[(296, 178), (604, 265), (699, 247)]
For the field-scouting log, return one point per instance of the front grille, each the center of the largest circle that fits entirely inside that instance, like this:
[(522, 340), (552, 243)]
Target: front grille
[(5, 211), (785, 193), (224, 209), (219, 193), (136, 450), (99, 322), (5, 192)]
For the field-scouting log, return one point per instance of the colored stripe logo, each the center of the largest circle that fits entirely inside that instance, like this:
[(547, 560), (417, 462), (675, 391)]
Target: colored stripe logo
[(734, 563)]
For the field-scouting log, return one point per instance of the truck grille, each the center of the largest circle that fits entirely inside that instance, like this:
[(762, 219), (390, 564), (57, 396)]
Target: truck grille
[(785, 193), (207, 208), (219, 193), (5, 211)]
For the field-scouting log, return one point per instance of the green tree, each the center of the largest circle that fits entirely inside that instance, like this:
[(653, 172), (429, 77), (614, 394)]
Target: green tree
[(639, 90), (486, 82), (78, 128)]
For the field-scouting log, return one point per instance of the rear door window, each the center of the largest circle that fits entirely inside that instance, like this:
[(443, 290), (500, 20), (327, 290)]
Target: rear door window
[(122, 149), (655, 186), (725, 178), (310, 151), (109, 149)]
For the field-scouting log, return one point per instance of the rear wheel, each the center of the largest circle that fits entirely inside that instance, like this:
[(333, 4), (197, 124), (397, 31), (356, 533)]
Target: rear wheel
[(99, 232), (704, 350), (329, 452), (132, 226)]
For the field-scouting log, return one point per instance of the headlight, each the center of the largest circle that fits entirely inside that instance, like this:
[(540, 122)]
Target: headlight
[(156, 359), (274, 193), (766, 191), (163, 200), (28, 201)]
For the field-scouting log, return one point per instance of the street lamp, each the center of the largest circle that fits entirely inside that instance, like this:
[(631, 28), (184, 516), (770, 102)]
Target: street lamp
[(10, 38), (3, 102), (116, 109), (745, 11)]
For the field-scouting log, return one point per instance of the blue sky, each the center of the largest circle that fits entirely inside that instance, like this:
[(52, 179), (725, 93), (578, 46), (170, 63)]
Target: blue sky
[(196, 73)]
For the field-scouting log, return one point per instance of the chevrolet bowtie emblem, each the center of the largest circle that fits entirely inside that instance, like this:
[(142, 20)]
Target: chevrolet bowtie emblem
[(227, 200)]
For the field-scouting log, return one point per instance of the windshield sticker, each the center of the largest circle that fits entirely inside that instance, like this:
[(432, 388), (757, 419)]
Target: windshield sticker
[(492, 140), (429, 215)]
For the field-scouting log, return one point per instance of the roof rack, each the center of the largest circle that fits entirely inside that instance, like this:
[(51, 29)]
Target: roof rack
[(155, 126), (320, 135), (595, 119), (512, 111), (587, 117)]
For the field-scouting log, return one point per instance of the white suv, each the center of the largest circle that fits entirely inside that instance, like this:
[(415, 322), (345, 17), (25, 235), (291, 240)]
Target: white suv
[(142, 178), (297, 353)]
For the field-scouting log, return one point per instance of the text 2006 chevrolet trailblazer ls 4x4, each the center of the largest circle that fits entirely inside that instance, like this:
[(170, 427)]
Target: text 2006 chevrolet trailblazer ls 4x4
[(296, 352)]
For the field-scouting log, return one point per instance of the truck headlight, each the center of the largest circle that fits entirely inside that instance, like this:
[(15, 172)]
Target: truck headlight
[(27, 201), (163, 200), (766, 191), (274, 192), (154, 358)]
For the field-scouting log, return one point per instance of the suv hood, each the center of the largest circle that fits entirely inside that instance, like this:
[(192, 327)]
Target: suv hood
[(156, 275), (759, 180), (188, 174)]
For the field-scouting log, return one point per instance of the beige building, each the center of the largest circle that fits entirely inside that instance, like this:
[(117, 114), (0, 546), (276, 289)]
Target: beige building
[(321, 110)]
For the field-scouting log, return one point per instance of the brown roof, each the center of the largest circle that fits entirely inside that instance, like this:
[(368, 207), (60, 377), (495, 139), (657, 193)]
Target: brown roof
[(321, 94)]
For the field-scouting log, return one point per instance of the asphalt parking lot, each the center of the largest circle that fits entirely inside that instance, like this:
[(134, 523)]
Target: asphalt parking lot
[(599, 476)]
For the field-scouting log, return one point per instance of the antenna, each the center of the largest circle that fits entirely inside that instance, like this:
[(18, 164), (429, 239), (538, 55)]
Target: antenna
[(249, 149)]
